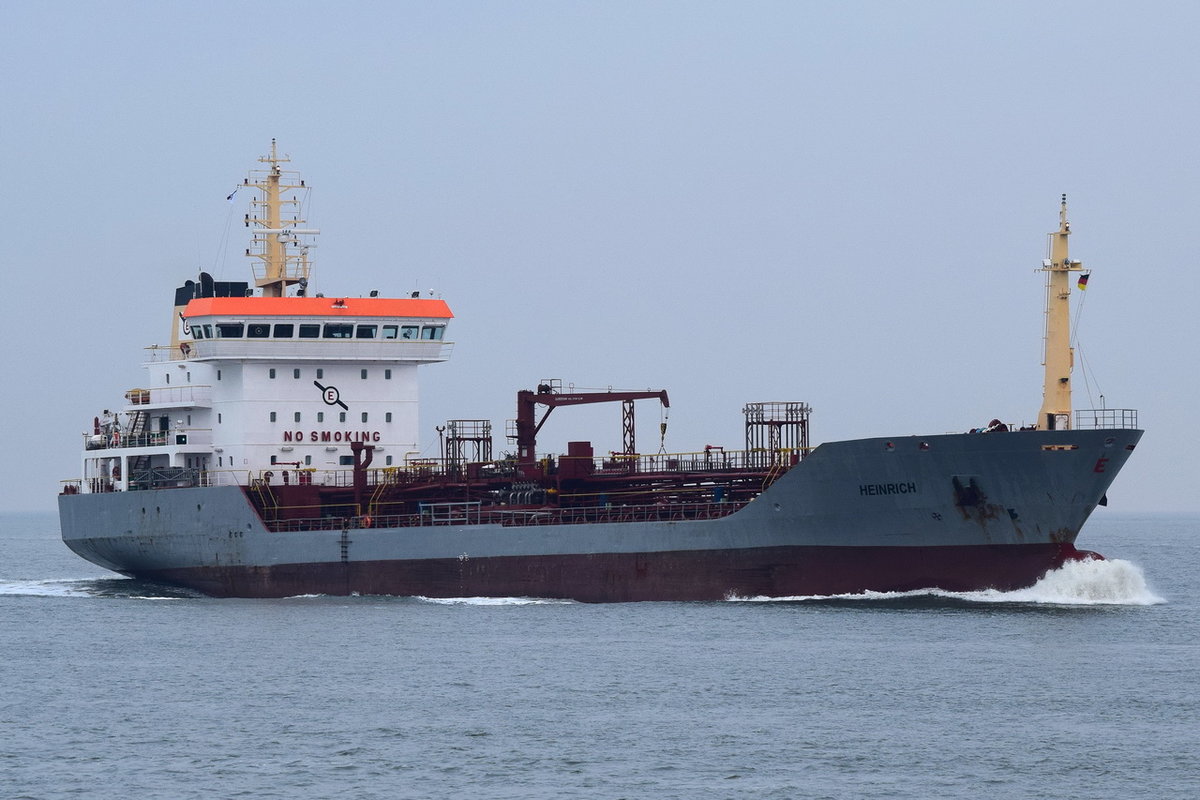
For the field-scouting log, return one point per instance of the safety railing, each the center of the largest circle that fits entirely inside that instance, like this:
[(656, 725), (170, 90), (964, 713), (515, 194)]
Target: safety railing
[(1105, 418), (164, 478), (190, 395), (770, 464), (177, 437), (428, 470), (473, 514), (415, 350), (714, 460)]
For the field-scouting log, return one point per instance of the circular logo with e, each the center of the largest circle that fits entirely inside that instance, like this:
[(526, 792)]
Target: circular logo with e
[(331, 395)]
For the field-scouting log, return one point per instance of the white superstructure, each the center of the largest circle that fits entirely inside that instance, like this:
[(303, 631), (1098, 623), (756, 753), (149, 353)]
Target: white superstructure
[(268, 382)]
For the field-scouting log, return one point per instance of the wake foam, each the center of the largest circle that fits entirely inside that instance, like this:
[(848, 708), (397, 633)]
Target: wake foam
[(126, 588), (66, 587), (493, 601), (441, 601), (1089, 582)]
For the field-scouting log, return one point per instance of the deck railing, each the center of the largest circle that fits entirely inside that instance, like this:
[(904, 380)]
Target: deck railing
[(397, 350), (120, 441), (463, 514), (1105, 418), (749, 463)]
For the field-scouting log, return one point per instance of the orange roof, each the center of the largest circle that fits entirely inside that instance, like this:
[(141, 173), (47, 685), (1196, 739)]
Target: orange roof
[(316, 307)]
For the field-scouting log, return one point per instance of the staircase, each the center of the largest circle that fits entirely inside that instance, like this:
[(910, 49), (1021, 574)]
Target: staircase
[(137, 437)]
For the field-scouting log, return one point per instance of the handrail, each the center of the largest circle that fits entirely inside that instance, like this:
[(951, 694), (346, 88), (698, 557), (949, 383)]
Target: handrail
[(120, 440), (1105, 418), (433, 469), (396, 350), (473, 514)]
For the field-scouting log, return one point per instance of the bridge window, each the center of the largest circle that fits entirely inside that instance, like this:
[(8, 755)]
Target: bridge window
[(283, 331), (409, 331), (230, 330), (390, 331), (365, 331), (310, 331), (258, 330), (433, 331), (197, 332), (335, 330), (208, 332)]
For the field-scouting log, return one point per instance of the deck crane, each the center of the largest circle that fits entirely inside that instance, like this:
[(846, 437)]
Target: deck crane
[(548, 395)]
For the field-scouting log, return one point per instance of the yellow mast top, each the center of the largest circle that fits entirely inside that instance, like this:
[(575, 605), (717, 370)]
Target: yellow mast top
[(282, 258), (1059, 357)]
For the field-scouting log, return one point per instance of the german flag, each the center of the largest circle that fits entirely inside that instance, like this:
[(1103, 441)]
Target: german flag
[(1083, 279)]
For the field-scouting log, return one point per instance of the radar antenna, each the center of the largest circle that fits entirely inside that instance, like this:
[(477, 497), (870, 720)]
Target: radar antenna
[(282, 256)]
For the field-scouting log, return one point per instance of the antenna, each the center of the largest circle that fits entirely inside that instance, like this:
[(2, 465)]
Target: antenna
[(282, 256)]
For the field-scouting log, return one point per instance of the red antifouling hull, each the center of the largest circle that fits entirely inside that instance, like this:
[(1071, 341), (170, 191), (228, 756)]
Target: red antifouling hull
[(670, 576)]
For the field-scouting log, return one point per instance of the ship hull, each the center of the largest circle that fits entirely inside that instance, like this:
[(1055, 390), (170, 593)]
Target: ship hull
[(953, 512)]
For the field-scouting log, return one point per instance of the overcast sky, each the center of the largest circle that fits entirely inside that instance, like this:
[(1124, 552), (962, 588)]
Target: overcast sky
[(841, 203)]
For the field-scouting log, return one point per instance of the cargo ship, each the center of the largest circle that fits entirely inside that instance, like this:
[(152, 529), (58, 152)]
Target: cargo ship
[(276, 451)]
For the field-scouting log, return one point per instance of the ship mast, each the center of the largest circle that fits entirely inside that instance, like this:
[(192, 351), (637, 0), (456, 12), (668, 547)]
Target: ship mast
[(1059, 357), (282, 259)]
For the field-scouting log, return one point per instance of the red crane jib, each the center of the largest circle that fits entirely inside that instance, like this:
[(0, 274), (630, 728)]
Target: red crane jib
[(527, 402)]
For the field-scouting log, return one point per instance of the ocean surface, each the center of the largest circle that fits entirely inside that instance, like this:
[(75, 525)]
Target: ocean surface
[(1085, 686)]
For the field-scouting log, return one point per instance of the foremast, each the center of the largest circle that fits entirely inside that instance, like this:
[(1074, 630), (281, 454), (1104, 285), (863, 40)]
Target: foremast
[(1059, 357), (282, 256)]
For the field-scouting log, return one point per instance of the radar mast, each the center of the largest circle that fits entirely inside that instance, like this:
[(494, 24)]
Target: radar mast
[(282, 258)]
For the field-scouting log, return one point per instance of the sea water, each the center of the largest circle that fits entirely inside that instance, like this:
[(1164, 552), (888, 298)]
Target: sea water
[(1086, 685)]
